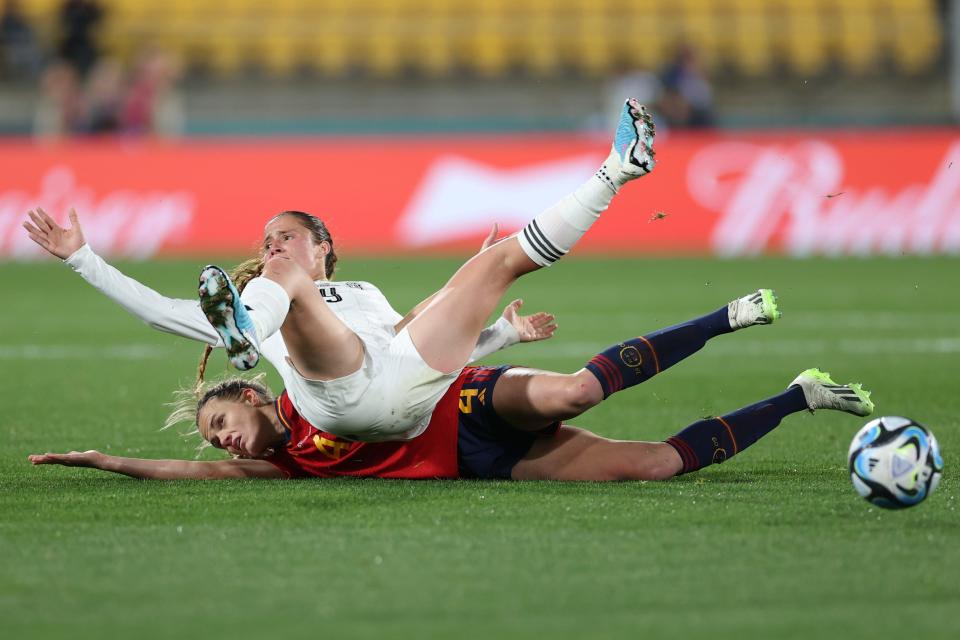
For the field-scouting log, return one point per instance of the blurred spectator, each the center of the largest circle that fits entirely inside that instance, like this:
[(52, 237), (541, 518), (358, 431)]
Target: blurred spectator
[(60, 109), (78, 24), (629, 83), (153, 106), (103, 98), (20, 54), (109, 102), (687, 99)]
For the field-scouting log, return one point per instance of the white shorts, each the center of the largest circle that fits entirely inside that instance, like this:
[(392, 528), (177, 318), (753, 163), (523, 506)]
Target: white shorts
[(391, 396)]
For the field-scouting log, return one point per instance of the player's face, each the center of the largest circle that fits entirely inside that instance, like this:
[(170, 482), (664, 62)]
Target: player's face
[(236, 426), (284, 236)]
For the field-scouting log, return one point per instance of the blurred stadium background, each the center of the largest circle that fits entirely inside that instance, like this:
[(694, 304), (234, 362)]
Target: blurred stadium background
[(787, 128), (157, 118)]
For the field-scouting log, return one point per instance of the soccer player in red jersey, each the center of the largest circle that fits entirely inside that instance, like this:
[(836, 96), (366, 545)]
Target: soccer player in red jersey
[(495, 422)]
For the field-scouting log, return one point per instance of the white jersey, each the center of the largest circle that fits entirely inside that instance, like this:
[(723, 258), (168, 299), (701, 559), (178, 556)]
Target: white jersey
[(391, 368)]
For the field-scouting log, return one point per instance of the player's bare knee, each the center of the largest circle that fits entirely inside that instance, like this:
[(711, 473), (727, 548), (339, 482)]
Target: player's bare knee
[(578, 395)]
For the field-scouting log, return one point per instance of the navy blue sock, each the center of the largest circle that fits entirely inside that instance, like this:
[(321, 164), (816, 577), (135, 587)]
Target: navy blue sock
[(633, 361), (713, 440)]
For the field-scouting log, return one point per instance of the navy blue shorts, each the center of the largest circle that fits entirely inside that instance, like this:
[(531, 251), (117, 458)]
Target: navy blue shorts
[(487, 446)]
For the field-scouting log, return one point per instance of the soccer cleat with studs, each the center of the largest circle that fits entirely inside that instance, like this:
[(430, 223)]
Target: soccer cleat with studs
[(759, 307), (221, 304), (632, 154), (821, 392)]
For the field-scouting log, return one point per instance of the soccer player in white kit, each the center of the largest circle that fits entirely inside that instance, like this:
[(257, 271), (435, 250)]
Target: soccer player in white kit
[(360, 374), (360, 305)]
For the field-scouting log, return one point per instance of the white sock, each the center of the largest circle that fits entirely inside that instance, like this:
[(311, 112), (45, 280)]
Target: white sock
[(550, 235), (267, 303)]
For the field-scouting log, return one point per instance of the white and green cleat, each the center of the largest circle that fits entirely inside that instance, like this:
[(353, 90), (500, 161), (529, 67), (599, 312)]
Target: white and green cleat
[(821, 392), (759, 307)]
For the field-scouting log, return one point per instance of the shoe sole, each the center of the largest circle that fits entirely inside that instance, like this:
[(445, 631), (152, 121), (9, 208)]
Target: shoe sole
[(629, 138), (217, 296), (770, 309)]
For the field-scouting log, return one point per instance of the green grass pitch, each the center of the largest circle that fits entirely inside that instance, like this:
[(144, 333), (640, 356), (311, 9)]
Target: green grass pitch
[(774, 543)]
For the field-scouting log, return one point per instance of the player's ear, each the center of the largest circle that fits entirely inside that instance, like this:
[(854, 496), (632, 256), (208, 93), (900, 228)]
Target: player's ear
[(249, 396)]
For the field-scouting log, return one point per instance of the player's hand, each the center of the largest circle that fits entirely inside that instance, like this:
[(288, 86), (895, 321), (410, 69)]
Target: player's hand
[(491, 238), (59, 241), (89, 458), (538, 326)]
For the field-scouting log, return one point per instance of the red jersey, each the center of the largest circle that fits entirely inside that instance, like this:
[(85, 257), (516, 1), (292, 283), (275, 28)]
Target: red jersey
[(311, 452)]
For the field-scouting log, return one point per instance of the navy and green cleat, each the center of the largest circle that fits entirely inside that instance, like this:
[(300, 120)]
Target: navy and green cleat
[(821, 392), (759, 307), (632, 154), (221, 304)]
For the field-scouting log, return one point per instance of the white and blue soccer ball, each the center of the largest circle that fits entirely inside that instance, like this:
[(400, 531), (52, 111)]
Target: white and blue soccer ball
[(895, 462)]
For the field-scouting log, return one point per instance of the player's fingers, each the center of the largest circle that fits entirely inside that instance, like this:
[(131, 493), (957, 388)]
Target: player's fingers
[(74, 219), (39, 222), (32, 228), (40, 240), (36, 234), (544, 333), (51, 223), (34, 214), (547, 326), (542, 319)]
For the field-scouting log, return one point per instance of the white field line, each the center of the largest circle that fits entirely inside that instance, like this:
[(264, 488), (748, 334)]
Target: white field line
[(866, 321), (82, 352), (734, 346), (798, 320), (723, 346)]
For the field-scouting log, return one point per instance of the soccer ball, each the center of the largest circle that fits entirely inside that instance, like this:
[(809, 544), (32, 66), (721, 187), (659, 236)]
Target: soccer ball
[(894, 462)]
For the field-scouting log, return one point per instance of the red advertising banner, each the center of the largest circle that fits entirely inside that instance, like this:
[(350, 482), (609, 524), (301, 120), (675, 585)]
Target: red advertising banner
[(734, 194)]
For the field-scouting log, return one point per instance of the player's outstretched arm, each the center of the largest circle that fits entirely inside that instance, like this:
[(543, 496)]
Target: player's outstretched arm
[(161, 469), (179, 317)]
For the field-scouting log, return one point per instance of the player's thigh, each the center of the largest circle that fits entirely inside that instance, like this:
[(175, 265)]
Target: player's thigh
[(570, 454), (531, 399), (446, 332), (318, 342)]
